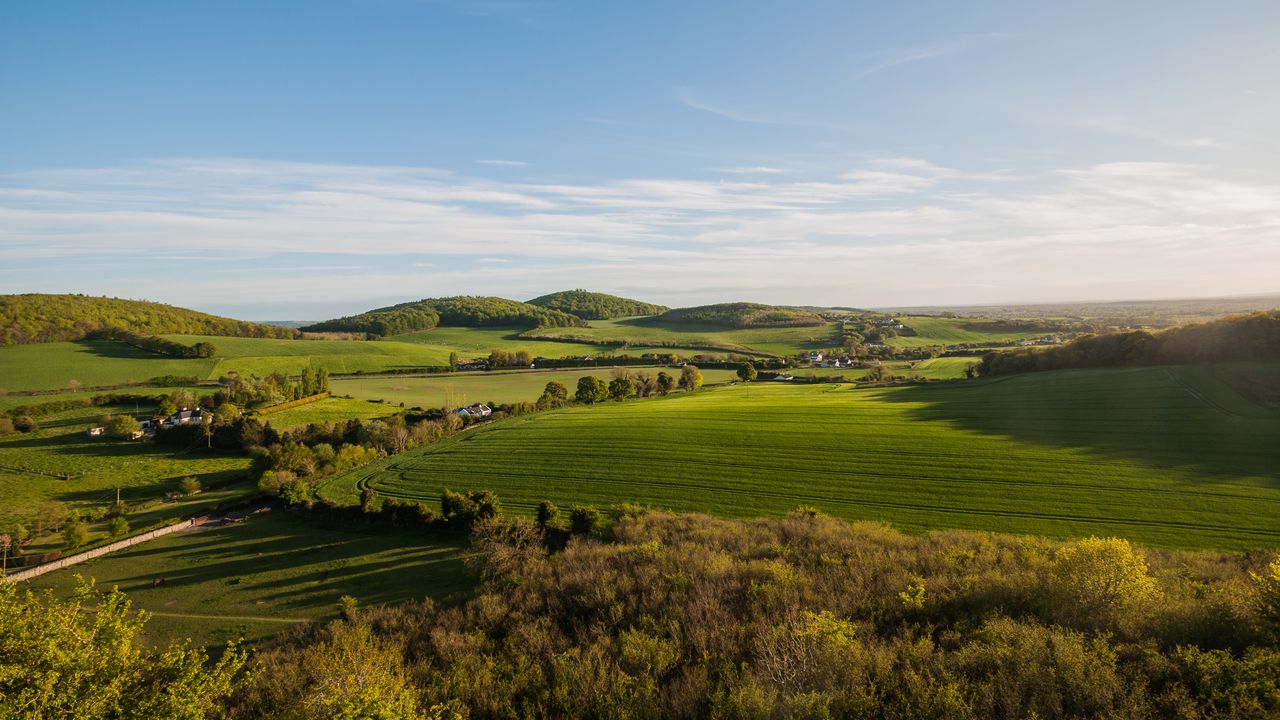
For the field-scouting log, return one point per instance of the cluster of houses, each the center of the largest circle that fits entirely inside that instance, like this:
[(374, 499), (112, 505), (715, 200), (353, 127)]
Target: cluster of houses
[(185, 416), (817, 358), (479, 410), (1046, 340)]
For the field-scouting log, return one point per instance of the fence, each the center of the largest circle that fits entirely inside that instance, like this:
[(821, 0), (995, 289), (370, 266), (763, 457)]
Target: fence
[(70, 560)]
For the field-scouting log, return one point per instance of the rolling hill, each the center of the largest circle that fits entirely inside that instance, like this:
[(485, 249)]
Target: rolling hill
[(596, 306), (743, 315), (40, 318), (461, 311)]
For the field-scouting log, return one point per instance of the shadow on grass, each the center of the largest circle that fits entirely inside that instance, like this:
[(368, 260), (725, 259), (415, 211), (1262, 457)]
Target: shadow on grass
[(1145, 415)]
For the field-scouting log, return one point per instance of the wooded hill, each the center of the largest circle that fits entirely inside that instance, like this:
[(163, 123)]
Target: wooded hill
[(1242, 337), (743, 315), (38, 318), (596, 306), (461, 311)]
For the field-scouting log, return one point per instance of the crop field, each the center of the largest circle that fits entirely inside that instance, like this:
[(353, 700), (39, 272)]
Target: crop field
[(260, 577), (457, 389), (639, 331), (34, 467), (1165, 456), (328, 410), (950, 331)]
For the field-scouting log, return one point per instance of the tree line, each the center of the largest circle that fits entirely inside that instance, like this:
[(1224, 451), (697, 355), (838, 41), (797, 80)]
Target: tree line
[(462, 311), (1255, 336), (596, 306), (38, 318), (155, 343)]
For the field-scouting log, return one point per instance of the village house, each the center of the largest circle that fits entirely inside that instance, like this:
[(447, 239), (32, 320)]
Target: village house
[(479, 410)]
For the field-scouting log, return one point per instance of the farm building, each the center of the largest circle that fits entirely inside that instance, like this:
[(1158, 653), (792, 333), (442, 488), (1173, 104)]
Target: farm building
[(815, 357), (95, 431), (478, 410)]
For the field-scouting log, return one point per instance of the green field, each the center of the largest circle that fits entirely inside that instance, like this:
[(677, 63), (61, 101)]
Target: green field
[(941, 368), (1166, 456), (49, 366), (457, 389), (950, 331), (642, 331), (259, 577), (328, 410), (30, 464)]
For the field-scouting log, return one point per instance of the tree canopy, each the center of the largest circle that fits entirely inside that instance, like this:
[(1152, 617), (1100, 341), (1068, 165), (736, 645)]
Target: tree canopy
[(596, 306), (37, 318), (743, 315), (461, 311)]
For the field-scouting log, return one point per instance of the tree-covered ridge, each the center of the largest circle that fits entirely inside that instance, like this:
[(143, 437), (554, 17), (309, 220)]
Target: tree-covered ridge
[(1242, 337), (743, 315), (460, 311), (38, 318), (596, 306)]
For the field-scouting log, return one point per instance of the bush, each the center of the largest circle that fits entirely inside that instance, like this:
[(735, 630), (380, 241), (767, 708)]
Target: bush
[(189, 486), (117, 527), (583, 519)]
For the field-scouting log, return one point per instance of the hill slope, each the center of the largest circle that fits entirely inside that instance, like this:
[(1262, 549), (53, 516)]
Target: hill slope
[(1168, 456), (461, 311), (39, 318), (596, 306), (743, 315)]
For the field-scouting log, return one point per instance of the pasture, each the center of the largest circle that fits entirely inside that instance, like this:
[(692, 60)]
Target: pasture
[(328, 410), (950, 331), (58, 463), (645, 334), (1166, 456), (941, 368), (458, 389), (262, 576)]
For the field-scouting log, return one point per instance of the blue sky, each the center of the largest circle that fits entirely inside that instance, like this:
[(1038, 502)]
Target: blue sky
[(300, 160)]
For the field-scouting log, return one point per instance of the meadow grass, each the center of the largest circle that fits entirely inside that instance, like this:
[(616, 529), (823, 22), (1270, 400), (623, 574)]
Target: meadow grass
[(458, 389), (328, 410), (50, 366), (950, 331), (33, 467), (260, 577), (942, 368), (1165, 456)]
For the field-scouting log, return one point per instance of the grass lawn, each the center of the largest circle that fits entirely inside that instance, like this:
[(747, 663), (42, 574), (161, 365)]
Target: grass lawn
[(1166, 456), (458, 389), (256, 578), (646, 330), (144, 471), (950, 331)]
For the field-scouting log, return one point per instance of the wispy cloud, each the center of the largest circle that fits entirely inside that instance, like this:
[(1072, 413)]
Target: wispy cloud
[(908, 229), (947, 46), (751, 170), (695, 101), (1131, 129), (505, 163)]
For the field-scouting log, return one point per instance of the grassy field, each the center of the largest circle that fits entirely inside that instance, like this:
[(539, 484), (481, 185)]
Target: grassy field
[(950, 331), (31, 466), (457, 389), (49, 366), (328, 410), (641, 331), (257, 578), (941, 368), (1166, 456)]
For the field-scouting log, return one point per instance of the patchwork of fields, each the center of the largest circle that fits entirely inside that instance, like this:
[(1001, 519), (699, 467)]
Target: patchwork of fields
[(256, 578), (641, 331), (1166, 456), (458, 389), (950, 331)]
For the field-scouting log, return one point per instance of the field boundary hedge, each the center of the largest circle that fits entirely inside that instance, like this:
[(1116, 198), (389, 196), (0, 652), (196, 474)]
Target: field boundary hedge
[(291, 404)]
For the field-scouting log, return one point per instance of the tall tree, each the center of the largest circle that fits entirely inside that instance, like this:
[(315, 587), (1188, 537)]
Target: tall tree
[(690, 377)]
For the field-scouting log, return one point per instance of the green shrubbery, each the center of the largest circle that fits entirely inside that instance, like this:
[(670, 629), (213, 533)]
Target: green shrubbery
[(658, 616), (743, 315), (448, 312), (595, 306)]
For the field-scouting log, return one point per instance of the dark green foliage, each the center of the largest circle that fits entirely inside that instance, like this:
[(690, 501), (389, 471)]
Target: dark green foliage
[(595, 306), (1244, 337), (155, 344), (659, 616), (664, 383), (548, 515), (591, 389), (464, 510), (743, 315), (39, 318), (747, 372), (583, 519), (621, 388), (462, 311)]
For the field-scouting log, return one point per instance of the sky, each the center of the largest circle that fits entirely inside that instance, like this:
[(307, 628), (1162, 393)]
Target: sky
[(301, 160)]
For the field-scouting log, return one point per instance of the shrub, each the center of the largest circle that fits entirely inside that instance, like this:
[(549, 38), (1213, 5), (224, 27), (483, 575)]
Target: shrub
[(117, 527), (583, 519)]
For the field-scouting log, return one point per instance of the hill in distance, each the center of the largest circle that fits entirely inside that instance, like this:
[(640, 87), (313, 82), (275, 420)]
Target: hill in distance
[(596, 306), (40, 318), (461, 311), (743, 315)]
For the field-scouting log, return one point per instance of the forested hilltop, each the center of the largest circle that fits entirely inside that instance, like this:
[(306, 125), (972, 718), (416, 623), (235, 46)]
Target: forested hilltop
[(38, 318), (1242, 337), (743, 315), (596, 306), (461, 311)]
